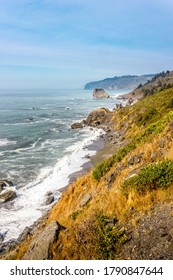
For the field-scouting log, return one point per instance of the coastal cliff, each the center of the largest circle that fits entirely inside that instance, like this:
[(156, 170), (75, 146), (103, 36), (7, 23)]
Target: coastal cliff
[(122, 208)]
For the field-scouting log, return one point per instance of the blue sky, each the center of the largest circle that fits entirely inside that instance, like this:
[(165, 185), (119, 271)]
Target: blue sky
[(67, 43)]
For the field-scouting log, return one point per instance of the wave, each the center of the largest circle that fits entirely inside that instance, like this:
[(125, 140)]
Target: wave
[(6, 142), (51, 178)]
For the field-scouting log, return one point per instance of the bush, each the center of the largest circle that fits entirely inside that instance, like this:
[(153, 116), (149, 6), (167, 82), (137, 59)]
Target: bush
[(142, 119), (153, 176), (110, 236)]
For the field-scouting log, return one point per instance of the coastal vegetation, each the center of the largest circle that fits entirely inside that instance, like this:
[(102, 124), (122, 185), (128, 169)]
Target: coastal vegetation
[(122, 208)]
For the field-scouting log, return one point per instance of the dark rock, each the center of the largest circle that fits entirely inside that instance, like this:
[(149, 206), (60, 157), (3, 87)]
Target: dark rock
[(40, 248), (119, 106), (76, 125), (1, 237), (49, 193), (8, 246), (50, 199), (7, 196), (87, 197), (4, 184), (25, 234), (100, 93)]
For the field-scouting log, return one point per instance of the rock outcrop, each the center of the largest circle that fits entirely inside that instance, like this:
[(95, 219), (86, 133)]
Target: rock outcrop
[(77, 125), (96, 117), (40, 247), (7, 191), (100, 93)]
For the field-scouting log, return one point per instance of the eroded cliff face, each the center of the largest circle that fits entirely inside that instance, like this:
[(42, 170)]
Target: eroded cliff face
[(121, 209)]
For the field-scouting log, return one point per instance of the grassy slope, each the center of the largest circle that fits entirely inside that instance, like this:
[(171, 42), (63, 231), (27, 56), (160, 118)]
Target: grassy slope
[(147, 124), (97, 229)]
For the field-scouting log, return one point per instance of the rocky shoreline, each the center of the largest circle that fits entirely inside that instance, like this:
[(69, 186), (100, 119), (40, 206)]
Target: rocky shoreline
[(105, 146), (108, 143)]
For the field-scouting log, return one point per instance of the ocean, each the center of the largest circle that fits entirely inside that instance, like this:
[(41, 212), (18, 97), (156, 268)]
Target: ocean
[(39, 150)]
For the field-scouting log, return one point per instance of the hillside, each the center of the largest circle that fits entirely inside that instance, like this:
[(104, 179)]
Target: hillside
[(123, 207), (159, 82), (122, 82)]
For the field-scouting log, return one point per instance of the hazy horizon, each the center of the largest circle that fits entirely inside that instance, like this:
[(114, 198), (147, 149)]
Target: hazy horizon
[(61, 44)]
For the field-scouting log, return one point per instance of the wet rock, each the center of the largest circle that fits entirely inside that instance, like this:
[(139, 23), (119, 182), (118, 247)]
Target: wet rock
[(100, 93), (40, 248), (4, 184), (87, 197), (1, 237), (7, 196), (25, 233), (50, 199), (76, 125), (8, 246)]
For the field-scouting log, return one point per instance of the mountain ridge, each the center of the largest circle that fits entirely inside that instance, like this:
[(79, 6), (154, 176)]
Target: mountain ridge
[(120, 82)]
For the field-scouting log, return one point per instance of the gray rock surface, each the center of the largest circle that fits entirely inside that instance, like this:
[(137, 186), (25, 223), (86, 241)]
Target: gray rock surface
[(87, 197), (40, 248), (100, 93)]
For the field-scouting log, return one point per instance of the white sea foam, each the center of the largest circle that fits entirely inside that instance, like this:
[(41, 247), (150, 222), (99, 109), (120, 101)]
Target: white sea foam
[(6, 142), (29, 205)]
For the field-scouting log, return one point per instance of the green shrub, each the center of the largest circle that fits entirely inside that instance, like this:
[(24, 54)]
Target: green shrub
[(148, 115), (102, 168), (153, 176), (109, 237)]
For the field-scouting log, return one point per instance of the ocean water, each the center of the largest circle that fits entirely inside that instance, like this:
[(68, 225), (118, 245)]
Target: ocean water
[(38, 150)]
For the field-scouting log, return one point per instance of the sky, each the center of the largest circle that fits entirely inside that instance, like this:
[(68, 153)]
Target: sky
[(55, 44)]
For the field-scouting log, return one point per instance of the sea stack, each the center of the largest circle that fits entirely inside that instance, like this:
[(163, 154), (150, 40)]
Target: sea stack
[(99, 93)]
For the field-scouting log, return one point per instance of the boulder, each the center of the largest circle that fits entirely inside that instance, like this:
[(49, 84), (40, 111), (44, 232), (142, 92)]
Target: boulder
[(100, 93), (96, 117), (40, 247), (76, 125), (4, 184), (7, 196), (50, 199)]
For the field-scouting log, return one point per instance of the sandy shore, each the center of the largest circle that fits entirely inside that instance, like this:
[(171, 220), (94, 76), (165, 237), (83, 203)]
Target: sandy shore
[(104, 148)]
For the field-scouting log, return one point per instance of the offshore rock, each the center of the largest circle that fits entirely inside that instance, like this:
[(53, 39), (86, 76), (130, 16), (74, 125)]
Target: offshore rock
[(7, 196), (100, 93), (76, 125), (4, 184), (40, 248)]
